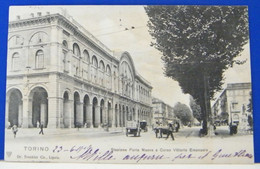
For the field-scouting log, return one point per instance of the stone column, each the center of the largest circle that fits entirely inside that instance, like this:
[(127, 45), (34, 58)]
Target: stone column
[(71, 113), (20, 114), (79, 113), (43, 114), (97, 116), (105, 115), (114, 118), (89, 116), (28, 113), (53, 111), (7, 113)]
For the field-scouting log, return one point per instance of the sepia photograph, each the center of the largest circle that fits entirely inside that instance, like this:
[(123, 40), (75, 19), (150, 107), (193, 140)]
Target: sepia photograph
[(129, 85)]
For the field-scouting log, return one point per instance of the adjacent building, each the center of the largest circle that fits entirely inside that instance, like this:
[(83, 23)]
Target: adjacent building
[(60, 75), (232, 104), (162, 112)]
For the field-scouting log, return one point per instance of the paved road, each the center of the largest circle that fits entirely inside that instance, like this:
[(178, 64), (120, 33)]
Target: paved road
[(186, 140)]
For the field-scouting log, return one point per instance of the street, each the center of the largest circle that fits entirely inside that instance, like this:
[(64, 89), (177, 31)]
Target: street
[(187, 140)]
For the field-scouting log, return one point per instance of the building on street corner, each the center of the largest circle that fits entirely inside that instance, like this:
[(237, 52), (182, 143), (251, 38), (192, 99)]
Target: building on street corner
[(232, 105), (162, 112), (61, 76)]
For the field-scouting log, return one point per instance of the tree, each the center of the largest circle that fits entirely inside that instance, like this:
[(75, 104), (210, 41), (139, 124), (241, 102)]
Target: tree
[(195, 108), (183, 112), (249, 106), (198, 44)]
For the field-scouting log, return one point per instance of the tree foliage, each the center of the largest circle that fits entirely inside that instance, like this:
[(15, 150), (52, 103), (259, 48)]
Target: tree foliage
[(249, 106), (198, 42), (183, 112), (196, 110)]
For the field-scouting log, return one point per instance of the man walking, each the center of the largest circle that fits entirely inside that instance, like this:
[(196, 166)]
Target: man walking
[(169, 132), (41, 126), (14, 129)]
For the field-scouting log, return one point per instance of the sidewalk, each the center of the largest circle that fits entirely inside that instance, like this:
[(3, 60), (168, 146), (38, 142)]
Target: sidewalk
[(65, 131)]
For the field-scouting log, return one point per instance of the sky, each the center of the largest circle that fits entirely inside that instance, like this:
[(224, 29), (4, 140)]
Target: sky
[(112, 25)]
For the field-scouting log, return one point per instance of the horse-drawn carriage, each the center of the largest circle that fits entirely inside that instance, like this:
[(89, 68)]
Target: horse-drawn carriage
[(133, 128), (165, 130), (143, 126), (161, 131)]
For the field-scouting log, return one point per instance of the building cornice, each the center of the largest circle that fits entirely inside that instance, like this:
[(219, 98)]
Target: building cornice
[(72, 25)]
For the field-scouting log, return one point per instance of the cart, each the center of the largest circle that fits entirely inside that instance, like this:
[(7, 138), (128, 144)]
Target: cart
[(143, 126), (133, 128)]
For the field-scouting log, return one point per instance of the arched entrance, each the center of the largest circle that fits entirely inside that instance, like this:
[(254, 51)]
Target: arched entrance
[(39, 107), (86, 104), (94, 108), (77, 116), (109, 114), (134, 117), (102, 107), (120, 116), (66, 108), (15, 108), (116, 116), (123, 116)]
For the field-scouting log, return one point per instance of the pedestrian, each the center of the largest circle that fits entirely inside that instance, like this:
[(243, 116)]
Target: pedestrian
[(169, 131), (41, 131), (177, 126), (157, 129), (15, 130)]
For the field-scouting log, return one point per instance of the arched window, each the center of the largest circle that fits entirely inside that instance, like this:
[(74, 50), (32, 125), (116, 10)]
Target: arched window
[(15, 61), (86, 56), (94, 61), (76, 50), (65, 44), (39, 59), (38, 38), (94, 72), (102, 66), (108, 70)]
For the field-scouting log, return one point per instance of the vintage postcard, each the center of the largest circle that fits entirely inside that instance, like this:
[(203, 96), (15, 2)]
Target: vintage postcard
[(129, 84)]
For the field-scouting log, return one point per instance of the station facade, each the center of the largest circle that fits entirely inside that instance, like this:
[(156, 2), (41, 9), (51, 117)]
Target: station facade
[(61, 76)]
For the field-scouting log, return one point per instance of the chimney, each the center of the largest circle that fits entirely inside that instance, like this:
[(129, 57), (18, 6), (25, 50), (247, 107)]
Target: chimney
[(18, 17), (39, 14), (32, 15)]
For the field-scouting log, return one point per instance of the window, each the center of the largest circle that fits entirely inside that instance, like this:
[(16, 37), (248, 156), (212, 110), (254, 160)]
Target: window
[(15, 61), (94, 61), (38, 38), (65, 44), (39, 59), (16, 40), (86, 56), (76, 50), (108, 70), (65, 61), (102, 66)]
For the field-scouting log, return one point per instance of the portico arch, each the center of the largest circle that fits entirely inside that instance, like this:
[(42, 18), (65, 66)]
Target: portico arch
[(109, 114), (86, 111), (116, 116), (78, 117), (102, 107), (39, 113), (15, 103), (66, 108), (95, 118)]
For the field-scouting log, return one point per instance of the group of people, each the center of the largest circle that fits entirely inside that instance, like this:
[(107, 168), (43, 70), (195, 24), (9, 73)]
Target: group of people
[(168, 130), (15, 129)]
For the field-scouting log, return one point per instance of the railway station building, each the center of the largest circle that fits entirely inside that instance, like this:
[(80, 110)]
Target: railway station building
[(61, 76)]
